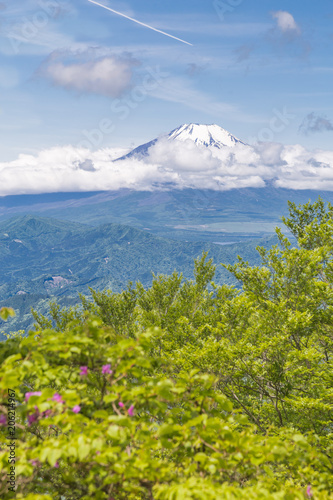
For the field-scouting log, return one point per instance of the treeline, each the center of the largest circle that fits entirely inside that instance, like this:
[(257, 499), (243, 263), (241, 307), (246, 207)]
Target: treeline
[(185, 390)]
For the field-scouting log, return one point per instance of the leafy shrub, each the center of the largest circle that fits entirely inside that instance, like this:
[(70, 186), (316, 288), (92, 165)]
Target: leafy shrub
[(186, 390)]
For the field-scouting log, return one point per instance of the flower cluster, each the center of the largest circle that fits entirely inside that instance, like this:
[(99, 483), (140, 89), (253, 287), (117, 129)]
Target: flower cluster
[(58, 398), (130, 411), (84, 371), (29, 394), (33, 417), (106, 370)]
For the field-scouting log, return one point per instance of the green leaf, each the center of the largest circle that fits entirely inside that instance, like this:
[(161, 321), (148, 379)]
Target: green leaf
[(54, 456), (83, 448), (6, 312)]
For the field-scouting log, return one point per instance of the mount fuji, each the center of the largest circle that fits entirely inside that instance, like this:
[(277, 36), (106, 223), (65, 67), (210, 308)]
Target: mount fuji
[(181, 213), (205, 135), (210, 136)]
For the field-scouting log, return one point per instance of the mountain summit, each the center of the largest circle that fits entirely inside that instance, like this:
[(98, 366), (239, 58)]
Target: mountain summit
[(202, 135)]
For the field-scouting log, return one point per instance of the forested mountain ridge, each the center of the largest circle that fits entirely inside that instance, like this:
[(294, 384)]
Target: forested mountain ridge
[(42, 258)]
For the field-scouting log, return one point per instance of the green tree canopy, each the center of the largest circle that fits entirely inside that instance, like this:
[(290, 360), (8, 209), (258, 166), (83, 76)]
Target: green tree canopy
[(187, 390)]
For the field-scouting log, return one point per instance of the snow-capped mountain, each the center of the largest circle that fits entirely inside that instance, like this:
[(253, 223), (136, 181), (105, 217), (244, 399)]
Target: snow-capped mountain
[(205, 135), (211, 136)]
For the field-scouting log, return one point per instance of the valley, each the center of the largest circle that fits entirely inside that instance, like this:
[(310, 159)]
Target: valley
[(43, 258)]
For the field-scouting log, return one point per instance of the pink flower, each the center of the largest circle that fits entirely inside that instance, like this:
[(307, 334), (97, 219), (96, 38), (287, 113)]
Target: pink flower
[(130, 411), (3, 420), (98, 452), (309, 492), (84, 371), (33, 417), (106, 369), (56, 465), (35, 463), (29, 394), (121, 404), (77, 409), (58, 398), (46, 413)]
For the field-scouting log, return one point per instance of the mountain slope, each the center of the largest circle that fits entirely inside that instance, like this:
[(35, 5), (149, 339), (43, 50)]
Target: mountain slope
[(188, 214), (210, 136), (41, 258)]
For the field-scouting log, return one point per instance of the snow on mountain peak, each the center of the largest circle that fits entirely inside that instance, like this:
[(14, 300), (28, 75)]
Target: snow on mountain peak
[(210, 136), (204, 135)]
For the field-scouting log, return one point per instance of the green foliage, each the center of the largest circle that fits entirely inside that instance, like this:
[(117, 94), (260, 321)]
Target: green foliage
[(187, 389), (311, 224), (59, 317), (135, 433), (116, 310), (6, 312)]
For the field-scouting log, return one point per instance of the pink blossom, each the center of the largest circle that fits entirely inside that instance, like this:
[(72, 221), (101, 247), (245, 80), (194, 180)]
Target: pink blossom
[(58, 398), (121, 404), (84, 371), (46, 413), (77, 409), (33, 417), (130, 411), (29, 394), (56, 465), (35, 463), (3, 420), (98, 452), (106, 369), (309, 492)]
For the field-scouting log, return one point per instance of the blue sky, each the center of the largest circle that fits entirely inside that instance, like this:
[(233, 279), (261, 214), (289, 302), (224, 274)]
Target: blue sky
[(74, 73)]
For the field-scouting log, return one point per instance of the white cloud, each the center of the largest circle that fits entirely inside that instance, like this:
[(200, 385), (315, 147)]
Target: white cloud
[(184, 165), (109, 76), (286, 22), (306, 170)]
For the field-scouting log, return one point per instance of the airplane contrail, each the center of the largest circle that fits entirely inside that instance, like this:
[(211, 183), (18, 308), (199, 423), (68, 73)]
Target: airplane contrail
[(139, 22)]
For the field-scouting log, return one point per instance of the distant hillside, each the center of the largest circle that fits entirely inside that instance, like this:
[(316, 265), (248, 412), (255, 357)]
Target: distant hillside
[(42, 258), (187, 215)]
